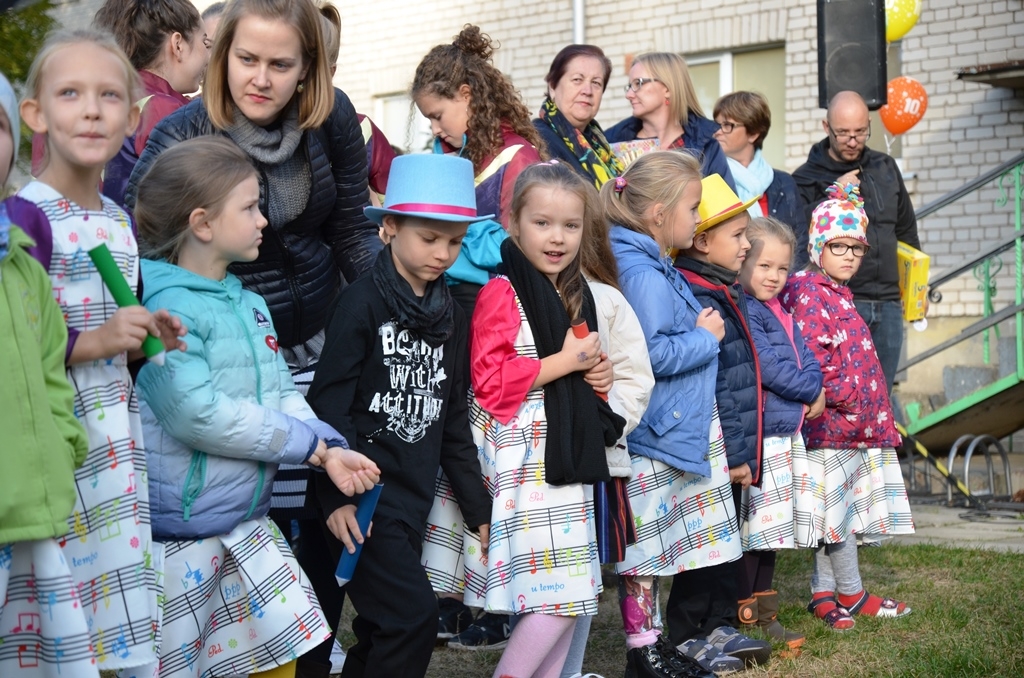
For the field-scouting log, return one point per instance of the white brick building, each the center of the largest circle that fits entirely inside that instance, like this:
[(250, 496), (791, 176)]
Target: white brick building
[(770, 45)]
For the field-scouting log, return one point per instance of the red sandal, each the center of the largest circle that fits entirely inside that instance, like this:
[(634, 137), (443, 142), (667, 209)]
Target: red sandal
[(824, 606), (873, 606)]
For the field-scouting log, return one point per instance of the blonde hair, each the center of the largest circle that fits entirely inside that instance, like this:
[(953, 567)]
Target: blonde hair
[(317, 98), (197, 173), (330, 22), (655, 178), (558, 175), (670, 69), (57, 41), (762, 228)]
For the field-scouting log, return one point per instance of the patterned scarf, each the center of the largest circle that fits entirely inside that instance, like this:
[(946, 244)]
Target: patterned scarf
[(589, 146)]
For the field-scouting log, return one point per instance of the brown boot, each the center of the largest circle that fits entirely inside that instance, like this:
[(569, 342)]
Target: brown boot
[(747, 614), (768, 620)]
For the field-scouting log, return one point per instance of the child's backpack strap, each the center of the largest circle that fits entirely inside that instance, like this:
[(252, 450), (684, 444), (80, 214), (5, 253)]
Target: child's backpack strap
[(33, 221)]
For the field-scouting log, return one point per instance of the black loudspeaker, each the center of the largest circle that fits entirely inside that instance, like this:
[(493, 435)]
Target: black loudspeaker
[(851, 50)]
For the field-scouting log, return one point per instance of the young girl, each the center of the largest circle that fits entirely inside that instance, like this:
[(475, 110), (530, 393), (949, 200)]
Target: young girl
[(80, 91), (41, 619), (680, 490), (220, 417), (540, 427), (791, 383), (849, 481), (166, 42), (476, 112)]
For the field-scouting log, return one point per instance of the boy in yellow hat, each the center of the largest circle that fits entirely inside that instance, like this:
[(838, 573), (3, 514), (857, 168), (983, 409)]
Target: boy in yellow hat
[(711, 266)]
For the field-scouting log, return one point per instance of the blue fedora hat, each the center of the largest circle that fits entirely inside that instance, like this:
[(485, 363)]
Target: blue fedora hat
[(429, 186)]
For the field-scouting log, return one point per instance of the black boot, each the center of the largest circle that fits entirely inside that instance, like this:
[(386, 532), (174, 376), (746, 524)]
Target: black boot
[(660, 660)]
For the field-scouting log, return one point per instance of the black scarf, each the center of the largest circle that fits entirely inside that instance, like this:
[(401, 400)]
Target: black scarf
[(580, 424), (431, 317)]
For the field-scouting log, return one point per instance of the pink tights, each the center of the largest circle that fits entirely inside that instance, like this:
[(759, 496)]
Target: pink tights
[(537, 648)]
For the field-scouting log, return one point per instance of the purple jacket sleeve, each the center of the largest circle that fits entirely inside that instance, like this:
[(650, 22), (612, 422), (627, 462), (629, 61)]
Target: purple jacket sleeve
[(33, 221)]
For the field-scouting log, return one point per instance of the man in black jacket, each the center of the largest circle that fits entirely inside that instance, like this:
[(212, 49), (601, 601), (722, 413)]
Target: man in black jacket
[(843, 156)]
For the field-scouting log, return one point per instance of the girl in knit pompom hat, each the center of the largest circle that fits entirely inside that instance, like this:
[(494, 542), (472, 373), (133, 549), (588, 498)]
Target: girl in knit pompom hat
[(849, 480)]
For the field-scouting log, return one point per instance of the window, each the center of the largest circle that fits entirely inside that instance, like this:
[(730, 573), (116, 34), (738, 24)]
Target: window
[(763, 71), (401, 122)]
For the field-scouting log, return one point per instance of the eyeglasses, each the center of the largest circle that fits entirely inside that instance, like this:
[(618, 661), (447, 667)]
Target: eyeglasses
[(635, 84), (728, 127), (860, 135), (841, 248)]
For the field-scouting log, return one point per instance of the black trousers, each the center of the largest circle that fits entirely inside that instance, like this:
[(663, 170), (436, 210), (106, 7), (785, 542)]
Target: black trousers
[(396, 622), (701, 600)]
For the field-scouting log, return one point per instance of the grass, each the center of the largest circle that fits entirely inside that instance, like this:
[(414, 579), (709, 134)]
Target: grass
[(967, 621)]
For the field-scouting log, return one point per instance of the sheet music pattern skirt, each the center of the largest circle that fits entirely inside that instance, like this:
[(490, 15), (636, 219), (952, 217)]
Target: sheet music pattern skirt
[(852, 491), (442, 556), (543, 545), (768, 519), (43, 627), (683, 521), (236, 604), (109, 545)]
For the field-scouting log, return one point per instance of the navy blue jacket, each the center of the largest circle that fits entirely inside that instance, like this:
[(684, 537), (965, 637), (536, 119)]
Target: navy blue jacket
[(738, 385), (787, 382), (786, 205), (698, 135)]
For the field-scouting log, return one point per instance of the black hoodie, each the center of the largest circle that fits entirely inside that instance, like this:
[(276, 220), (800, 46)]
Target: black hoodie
[(890, 213)]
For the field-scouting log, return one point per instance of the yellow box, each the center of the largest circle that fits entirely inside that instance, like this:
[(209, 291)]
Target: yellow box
[(914, 266)]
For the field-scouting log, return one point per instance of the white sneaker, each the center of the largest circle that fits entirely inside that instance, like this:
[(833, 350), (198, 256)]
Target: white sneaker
[(337, 657)]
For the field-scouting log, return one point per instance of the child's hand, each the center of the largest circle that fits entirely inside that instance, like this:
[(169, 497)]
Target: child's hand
[(815, 409), (350, 471), (601, 376), (585, 353), (317, 458), (343, 525), (741, 474), (710, 320), (170, 329), (485, 541)]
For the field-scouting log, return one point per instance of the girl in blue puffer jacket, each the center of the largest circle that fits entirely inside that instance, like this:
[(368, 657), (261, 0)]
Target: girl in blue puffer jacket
[(220, 417), (770, 516)]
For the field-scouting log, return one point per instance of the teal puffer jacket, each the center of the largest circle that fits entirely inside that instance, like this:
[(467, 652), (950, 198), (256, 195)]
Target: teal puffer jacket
[(219, 417)]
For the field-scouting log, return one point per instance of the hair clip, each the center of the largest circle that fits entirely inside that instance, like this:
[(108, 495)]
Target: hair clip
[(553, 161), (620, 184)]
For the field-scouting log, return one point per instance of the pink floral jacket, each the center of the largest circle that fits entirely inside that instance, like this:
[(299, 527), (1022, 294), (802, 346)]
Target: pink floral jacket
[(857, 408)]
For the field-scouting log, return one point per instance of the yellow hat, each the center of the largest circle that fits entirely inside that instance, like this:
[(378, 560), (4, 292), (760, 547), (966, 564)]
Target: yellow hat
[(718, 202)]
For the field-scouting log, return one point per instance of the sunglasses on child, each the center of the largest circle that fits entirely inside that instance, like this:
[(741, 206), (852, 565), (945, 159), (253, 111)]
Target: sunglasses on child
[(840, 248)]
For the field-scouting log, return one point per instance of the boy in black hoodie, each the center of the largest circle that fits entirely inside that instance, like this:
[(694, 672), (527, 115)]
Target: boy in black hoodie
[(394, 378), (711, 266)]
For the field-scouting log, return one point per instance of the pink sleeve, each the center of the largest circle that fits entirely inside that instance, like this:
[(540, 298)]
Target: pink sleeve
[(501, 377), (524, 157)]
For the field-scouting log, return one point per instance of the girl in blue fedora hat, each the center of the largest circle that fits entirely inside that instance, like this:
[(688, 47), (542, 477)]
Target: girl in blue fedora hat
[(394, 381)]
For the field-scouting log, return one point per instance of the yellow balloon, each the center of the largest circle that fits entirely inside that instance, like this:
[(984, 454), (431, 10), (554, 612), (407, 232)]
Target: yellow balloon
[(900, 17)]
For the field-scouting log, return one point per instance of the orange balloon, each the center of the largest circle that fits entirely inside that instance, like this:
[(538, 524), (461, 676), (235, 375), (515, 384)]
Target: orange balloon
[(907, 103)]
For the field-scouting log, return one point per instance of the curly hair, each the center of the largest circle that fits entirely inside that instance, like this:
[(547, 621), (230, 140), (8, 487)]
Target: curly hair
[(493, 98)]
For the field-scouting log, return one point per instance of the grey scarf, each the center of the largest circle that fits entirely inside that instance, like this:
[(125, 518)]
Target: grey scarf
[(278, 152)]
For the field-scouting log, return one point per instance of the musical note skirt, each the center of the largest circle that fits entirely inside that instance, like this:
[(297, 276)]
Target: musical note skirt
[(683, 521), (839, 493), (108, 546), (768, 521), (442, 541), (236, 604), (543, 545), (44, 632)]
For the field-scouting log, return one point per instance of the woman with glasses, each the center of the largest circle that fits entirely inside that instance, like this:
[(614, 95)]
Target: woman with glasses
[(743, 120), (576, 83), (665, 108)]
